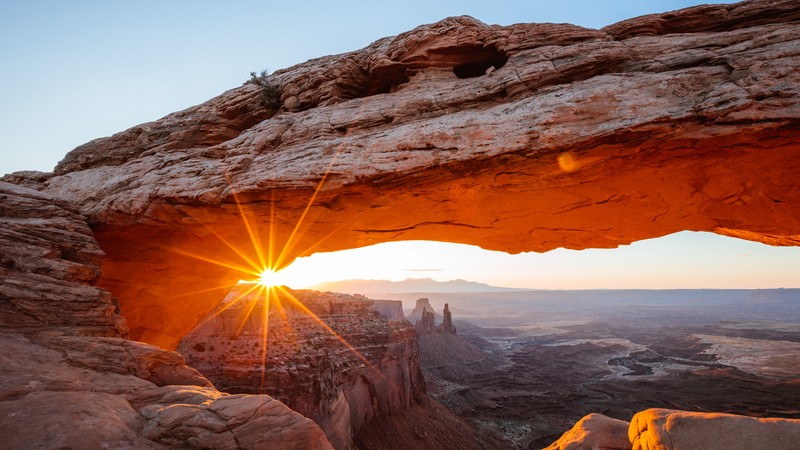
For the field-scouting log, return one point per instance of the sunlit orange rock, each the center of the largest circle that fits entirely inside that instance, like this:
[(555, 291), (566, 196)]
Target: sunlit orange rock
[(664, 429), (595, 431), (521, 138)]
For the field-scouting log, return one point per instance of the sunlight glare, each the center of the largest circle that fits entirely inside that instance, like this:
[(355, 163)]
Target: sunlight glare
[(270, 278)]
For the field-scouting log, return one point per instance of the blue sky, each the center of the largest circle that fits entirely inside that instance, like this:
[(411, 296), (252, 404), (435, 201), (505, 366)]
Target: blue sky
[(75, 71)]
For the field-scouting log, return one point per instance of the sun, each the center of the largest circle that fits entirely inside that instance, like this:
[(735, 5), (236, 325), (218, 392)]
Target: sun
[(270, 278)]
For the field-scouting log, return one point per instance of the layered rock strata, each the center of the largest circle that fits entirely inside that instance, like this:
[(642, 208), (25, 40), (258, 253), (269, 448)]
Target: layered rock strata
[(68, 379), (49, 265), (527, 137), (363, 368)]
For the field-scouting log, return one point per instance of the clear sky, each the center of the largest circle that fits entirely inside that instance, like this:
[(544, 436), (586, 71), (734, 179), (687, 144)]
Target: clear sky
[(74, 71), (682, 260)]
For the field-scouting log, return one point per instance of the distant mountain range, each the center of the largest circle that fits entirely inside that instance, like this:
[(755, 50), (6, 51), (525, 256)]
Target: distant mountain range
[(406, 286)]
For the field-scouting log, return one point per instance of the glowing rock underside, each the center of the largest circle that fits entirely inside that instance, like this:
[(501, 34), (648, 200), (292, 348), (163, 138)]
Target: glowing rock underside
[(574, 138)]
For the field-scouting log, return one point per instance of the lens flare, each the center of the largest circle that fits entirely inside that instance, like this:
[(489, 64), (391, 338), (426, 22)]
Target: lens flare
[(270, 278), (567, 162), (261, 265)]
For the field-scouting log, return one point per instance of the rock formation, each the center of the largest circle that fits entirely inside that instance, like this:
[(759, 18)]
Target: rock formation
[(305, 365), (595, 431), (445, 357), (664, 429), (70, 380), (447, 321), (49, 264), (579, 138), (426, 324), (576, 138), (390, 309), (427, 318), (422, 305)]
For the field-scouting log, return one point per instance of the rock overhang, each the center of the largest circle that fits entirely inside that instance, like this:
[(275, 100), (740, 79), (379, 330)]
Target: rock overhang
[(681, 121)]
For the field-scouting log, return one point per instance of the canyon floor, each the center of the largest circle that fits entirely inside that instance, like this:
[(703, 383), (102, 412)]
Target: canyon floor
[(547, 365)]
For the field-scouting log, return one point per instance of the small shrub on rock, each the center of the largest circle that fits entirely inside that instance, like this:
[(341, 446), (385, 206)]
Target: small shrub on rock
[(270, 91)]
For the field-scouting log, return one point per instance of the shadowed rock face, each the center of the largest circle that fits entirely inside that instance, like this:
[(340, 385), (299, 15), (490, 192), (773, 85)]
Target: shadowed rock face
[(70, 380), (576, 138)]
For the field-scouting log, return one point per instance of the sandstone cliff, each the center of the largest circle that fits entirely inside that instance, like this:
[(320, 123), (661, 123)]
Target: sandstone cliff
[(305, 365), (67, 377), (390, 309)]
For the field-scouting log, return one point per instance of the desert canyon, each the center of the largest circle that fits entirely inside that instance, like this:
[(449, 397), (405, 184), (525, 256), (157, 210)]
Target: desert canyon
[(118, 330)]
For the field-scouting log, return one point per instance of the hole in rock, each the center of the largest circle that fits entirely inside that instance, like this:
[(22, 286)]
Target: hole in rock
[(686, 259), (386, 80), (479, 61)]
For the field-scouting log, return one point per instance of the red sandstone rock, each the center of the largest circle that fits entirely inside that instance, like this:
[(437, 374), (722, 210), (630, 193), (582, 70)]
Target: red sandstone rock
[(664, 429), (49, 263), (578, 138), (305, 365), (558, 136), (597, 432), (67, 378)]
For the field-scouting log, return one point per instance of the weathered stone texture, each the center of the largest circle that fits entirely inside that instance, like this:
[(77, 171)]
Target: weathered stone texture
[(68, 379), (528, 137)]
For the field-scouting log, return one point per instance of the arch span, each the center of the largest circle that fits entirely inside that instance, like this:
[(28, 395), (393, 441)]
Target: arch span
[(583, 138)]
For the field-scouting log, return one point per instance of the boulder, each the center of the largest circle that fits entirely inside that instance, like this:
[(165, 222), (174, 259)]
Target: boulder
[(595, 432), (665, 429)]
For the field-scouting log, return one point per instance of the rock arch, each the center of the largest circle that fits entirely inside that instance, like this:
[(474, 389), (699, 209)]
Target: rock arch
[(583, 138)]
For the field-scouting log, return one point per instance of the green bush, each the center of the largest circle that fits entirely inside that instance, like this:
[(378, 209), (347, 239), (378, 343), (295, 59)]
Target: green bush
[(270, 91)]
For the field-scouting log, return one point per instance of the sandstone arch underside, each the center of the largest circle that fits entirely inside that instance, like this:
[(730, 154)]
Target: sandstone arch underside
[(583, 138)]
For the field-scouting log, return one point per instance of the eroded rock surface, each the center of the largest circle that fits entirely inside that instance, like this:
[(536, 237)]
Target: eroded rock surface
[(664, 429), (49, 264), (595, 431), (68, 379), (423, 305), (363, 368), (520, 138)]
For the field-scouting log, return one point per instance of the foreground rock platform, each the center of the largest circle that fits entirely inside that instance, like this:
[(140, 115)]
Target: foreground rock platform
[(666, 429)]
